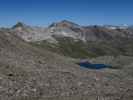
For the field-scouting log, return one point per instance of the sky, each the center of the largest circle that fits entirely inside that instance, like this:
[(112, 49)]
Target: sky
[(84, 12)]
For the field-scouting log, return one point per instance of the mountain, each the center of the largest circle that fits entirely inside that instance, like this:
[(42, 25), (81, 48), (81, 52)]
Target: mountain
[(28, 72), (70, 39), (69, 29), (65, 23)]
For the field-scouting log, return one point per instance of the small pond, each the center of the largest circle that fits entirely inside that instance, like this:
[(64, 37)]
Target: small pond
[(93, 66)]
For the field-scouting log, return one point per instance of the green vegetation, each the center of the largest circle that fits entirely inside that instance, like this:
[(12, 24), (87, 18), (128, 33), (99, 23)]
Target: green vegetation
[(79, 49), (67, 47)]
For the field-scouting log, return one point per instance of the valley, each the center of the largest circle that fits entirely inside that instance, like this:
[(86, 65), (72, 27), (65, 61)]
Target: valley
[(40, 63)]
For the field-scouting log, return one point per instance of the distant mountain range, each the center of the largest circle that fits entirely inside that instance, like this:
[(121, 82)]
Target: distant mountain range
[(70, 39), (69, 29)]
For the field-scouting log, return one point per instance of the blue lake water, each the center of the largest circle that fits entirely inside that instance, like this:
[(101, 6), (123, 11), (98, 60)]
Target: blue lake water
[(93, 66)]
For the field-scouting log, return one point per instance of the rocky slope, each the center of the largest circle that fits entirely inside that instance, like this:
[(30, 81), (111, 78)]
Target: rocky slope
[(31, 73)]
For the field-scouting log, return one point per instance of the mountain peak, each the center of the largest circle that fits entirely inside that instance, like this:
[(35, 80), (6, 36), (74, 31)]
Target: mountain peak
[(19, 24), (64, 23), (68, 23)]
